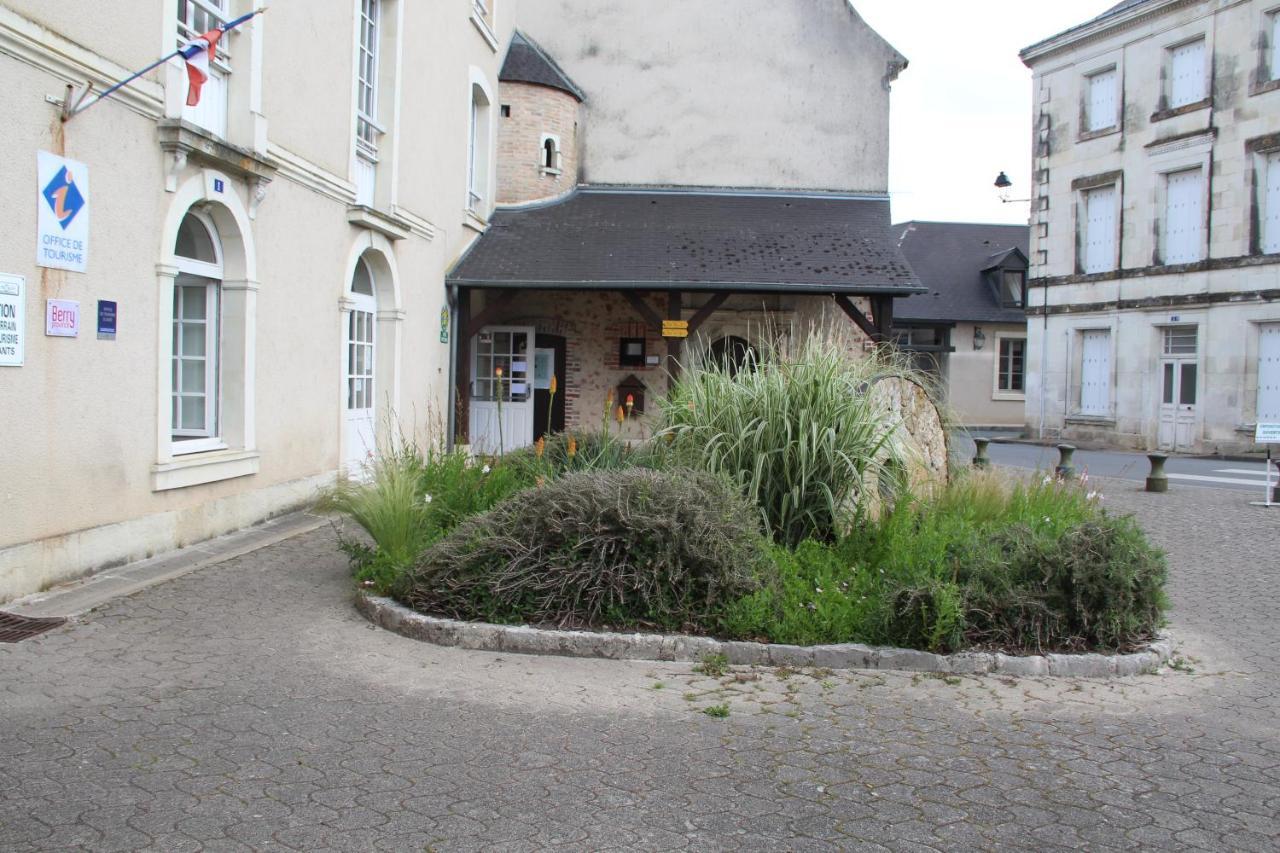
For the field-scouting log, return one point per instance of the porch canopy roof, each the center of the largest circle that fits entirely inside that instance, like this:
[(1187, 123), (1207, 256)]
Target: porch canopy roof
[(644, 238)]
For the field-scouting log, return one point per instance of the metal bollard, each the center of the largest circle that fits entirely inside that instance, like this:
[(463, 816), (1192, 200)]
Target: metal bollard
[(980, 459), (1065, 469), (1157, 480)]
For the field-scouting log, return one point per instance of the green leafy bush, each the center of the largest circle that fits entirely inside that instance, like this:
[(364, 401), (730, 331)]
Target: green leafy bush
[(409, 499), (797, 433), (630, 547)]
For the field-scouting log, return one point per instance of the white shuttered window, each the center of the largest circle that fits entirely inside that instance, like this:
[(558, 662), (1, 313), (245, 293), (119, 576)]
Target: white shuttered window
[(1274, 64), (1270, 213), (1186, 74), (1101, 111), (1269, 373), (1095, 373), (1099, 238), (1183, 217)]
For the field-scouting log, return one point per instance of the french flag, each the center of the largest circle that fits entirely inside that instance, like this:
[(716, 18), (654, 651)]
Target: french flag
[(197, 53)]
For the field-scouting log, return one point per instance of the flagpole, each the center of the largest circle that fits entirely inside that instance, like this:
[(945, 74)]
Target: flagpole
[(69, 112)]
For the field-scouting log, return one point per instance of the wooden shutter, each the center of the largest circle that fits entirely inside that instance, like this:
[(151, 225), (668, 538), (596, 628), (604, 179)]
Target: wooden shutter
[(1095, 373), (1271, 204), (1269, 373), (1102, 100), (1183, 217), (1186, 74), (1100, 230)]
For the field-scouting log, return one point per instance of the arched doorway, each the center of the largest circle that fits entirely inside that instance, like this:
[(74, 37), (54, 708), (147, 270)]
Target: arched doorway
[(733, 353), (358, 363)]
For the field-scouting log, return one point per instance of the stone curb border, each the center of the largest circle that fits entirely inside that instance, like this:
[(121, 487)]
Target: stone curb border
[(521, 639)]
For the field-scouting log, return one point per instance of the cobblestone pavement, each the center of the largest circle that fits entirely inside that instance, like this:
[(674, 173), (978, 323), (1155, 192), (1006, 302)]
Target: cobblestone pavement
[(248, 706)]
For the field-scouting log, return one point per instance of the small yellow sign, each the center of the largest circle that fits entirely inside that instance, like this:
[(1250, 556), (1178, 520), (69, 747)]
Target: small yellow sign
[(675, 328)]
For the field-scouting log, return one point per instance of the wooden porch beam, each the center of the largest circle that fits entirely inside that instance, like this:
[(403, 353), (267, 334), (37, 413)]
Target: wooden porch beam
[(650, 317), (859, 319), (882, 314), (713, 305), (675, 346), (462, 370), (491, 311)]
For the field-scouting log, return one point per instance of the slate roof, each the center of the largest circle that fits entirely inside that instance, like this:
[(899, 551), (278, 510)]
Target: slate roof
[(949, 258), (526, 62), (653, 239)]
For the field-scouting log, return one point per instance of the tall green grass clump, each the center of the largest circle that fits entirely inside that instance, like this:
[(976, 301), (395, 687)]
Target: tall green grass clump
[(795, 431)]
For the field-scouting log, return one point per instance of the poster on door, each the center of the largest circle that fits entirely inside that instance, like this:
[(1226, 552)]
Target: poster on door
[(62, 202)]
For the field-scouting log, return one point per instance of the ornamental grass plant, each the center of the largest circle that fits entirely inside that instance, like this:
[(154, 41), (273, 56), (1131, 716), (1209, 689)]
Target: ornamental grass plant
[(795, 431)]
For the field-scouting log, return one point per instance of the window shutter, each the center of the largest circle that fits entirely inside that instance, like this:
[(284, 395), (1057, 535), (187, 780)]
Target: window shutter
[(1102, 100), (1095, 373), (1183, 217), (1100, 230), (1186, 74), (1274, 67), (1269, 374), (1271, 205)]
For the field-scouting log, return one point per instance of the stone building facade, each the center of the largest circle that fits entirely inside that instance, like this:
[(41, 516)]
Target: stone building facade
[(1154, 306), (275, 255), (538, 141)]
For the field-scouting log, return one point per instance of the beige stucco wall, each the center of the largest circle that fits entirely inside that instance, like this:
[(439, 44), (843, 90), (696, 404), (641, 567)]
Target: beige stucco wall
[(972, 392), (80, 418), (536, 111), (1224, 302), (735, 93)]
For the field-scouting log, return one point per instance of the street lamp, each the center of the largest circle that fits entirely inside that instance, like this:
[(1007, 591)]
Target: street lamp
[(1003, 184)]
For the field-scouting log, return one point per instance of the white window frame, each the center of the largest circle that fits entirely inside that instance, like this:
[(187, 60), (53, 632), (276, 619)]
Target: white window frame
[(187, 441), (211, 112), (1200, 91), (1097, 256), (998, 393), (480, 138), (368, 53), (1268, 200), (1092, 114), (1197, 253), (1273, 53)]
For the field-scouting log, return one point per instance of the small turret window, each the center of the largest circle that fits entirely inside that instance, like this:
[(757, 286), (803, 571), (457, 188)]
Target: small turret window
[(549, 154)]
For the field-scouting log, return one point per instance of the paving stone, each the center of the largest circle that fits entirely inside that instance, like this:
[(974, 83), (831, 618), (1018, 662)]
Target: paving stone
[(247, 705)]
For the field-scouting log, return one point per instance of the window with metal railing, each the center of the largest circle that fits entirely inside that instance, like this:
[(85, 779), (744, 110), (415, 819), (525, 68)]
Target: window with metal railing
[(367, 127), (195, 18)]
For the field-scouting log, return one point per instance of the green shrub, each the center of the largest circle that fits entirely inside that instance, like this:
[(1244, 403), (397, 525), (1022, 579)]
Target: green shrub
[(796, 433), (592, 451), (631, 547), (408, 500)]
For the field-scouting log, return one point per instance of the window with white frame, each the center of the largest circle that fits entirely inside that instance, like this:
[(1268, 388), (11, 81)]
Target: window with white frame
[(367, 128), (1268, 408), (1273, 54), (1013, 288), (1269, 204), (549, 154), (1100, 106), (1187, 74), (195, 18), (1098, 237), (1095, 372), (196, 336), (1183, 231), (478, 150), (1011, 366)]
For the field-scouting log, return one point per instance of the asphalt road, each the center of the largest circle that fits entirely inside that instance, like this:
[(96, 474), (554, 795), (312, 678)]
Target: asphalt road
[(1182, 470)]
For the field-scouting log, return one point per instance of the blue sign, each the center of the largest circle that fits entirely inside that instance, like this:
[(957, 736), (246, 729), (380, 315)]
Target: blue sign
[(106, 317), (64, 197), (218, 185)]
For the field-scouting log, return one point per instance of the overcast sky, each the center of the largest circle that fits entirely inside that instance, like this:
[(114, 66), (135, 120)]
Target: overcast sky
[(962, 109)]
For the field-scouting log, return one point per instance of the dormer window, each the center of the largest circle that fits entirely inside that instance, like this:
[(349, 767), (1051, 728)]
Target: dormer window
[(1013, 287)]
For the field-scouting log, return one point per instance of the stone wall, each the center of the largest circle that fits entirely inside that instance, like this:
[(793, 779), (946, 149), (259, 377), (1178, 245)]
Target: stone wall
[(535, 111)]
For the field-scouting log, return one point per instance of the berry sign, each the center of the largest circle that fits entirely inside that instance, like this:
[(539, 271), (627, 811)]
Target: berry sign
[(62, 202), (62, 318)]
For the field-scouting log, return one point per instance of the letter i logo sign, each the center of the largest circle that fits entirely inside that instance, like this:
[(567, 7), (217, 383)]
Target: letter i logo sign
[(63, 197)]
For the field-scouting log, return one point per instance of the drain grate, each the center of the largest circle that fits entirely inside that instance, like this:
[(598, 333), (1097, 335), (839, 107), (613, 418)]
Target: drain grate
[(15, 628)]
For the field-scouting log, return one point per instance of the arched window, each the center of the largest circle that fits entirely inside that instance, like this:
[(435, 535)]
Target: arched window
[(197, 321), (478, 150), (549, 153)]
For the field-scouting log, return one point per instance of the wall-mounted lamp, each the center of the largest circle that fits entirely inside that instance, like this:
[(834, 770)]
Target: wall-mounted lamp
[(1003, 184), (979, 338)]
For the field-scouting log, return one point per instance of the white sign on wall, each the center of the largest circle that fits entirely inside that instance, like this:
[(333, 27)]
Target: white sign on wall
[(12, 320), (62, 318), (62, 199), (1267, 434)]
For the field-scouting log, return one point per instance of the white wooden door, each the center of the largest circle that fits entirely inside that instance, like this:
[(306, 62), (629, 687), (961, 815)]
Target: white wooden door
[(360, 402), (1268, 411), (1178, 390), (502, 389), (1095, 373)]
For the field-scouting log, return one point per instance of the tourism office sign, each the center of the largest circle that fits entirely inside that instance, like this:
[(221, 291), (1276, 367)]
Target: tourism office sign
[(62, 201)]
